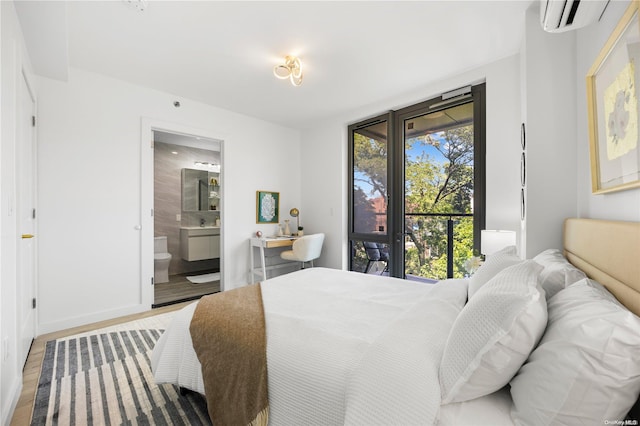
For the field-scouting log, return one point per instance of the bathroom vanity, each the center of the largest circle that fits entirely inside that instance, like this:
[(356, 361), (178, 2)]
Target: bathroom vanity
[(199, 243)]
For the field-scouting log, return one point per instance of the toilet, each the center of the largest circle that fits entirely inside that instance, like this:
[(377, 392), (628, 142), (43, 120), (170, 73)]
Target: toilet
[(161, 260)]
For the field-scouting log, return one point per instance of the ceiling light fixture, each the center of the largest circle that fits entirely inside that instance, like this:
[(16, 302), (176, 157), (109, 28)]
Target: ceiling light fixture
[(292, 69)]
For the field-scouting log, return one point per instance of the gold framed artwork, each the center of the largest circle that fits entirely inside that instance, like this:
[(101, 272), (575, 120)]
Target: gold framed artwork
[(267, 206), (612, 106)]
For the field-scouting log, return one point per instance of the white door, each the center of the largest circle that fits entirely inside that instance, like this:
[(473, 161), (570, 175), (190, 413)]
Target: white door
[(26, 219)]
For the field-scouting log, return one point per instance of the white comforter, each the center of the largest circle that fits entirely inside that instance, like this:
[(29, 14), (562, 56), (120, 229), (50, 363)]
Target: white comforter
[(342, 347)]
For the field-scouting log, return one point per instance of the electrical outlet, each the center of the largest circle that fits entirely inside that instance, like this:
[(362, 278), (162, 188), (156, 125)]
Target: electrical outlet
[(178, 217)]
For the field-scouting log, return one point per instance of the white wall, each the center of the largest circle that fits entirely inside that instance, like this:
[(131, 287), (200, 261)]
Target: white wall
[(550, 118), (324, 155), (622, 205), (90, 182)]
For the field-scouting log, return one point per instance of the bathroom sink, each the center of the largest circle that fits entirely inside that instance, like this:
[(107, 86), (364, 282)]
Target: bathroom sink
[(192, 231)]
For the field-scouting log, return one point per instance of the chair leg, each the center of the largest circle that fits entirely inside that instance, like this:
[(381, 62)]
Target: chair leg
[(311, 263)]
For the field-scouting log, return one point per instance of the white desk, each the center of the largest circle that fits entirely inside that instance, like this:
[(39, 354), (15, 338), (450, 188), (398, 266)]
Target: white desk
[(267, 243)]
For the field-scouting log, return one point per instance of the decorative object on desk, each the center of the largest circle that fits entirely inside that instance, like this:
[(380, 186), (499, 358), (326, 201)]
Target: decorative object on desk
[(287, 229), (267, 206), (279, 231), (259, 234), (294, 212), (612, 106), (300, 231), (492, 241)]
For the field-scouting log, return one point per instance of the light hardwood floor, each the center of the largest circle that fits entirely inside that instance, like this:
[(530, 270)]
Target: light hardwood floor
[(31, 371)]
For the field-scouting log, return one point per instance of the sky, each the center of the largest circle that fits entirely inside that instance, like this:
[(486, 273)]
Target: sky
[(412, 154)]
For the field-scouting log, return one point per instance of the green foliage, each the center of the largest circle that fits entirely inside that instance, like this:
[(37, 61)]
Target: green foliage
[(430, 187), (370, 159)]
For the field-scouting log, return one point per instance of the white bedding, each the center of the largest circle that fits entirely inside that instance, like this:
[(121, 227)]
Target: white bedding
[(342, 348)]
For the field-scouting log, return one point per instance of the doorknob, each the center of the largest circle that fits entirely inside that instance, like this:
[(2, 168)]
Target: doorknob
[(26, 236)]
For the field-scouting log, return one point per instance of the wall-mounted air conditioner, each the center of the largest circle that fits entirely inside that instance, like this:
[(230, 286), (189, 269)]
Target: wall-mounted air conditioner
[(564, 15)]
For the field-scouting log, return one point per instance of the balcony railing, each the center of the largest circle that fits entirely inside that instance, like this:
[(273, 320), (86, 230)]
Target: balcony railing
[(428, 237)]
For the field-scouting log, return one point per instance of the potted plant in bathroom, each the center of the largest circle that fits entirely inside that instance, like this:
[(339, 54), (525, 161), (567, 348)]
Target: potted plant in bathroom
[(300, 231)]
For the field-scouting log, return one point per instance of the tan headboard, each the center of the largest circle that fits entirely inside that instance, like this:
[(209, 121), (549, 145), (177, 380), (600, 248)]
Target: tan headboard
[(608, 252)]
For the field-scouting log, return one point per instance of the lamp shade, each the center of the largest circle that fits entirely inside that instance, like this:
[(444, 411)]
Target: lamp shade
[(495, 240)]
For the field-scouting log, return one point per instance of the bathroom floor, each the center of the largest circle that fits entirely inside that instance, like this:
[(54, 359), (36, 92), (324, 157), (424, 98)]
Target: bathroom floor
[(179, 289)]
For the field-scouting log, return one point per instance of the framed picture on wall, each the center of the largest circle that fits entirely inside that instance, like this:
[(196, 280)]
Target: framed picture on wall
[(612, 106), (267, 206)]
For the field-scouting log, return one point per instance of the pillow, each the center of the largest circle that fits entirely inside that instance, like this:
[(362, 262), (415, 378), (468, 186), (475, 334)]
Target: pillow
[(490, 268), (586, 369), (558, 273), (494, 334)]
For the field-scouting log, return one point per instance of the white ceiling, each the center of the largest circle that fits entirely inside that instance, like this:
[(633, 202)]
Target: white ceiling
[(222, 52)]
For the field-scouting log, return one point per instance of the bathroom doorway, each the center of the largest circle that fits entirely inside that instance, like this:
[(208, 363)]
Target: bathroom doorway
[(187, 217)]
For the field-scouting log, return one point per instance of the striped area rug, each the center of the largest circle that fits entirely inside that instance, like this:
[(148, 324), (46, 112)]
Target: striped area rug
[(105, 378)]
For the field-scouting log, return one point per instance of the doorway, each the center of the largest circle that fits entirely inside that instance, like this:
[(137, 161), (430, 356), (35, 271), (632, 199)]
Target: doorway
[(187, 217)]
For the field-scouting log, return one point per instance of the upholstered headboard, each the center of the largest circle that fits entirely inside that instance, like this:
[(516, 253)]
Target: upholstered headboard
[(608, 252)]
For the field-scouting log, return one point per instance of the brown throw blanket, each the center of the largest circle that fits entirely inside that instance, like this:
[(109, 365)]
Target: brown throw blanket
[(228, 334)]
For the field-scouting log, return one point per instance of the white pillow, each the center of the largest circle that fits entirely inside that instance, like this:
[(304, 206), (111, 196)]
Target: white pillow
[(586, 369), (558, 273), (494, 334), (495, 263)]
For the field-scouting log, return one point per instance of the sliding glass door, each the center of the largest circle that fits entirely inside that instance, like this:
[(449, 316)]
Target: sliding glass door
[(442, 152), (417, 193)]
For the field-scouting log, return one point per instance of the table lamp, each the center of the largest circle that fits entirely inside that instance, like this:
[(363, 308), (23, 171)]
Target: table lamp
[(294, 212), (493, 240)]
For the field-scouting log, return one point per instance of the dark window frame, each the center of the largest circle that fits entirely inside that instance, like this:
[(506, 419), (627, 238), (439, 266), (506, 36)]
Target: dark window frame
[(395, 171)]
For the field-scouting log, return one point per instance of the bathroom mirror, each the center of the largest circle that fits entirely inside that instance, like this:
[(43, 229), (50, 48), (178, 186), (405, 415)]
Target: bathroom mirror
[(199, 190)]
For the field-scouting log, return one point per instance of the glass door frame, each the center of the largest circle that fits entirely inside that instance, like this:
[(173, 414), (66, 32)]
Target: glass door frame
[(384, 238), (477, 96), (395, 232)]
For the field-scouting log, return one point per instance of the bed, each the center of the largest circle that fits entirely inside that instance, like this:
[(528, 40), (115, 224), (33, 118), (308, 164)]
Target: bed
[(520, 342)]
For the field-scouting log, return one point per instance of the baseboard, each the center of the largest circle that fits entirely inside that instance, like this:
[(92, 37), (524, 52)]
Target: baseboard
[(7, 412), (90, 319)]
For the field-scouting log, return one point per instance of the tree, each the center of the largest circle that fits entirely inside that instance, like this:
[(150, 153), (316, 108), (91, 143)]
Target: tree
[(370, 163), (430, 187), (447, 187)]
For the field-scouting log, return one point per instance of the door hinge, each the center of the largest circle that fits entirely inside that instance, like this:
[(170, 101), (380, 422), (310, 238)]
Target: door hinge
[(151, 280), (33, 303), (33, 121), (151, 212), (33, 213)]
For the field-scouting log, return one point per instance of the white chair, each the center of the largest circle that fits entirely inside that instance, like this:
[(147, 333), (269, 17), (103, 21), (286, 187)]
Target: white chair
[(305, 249)]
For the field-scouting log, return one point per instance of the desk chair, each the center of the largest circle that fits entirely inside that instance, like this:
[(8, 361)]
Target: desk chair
[(305, 249)]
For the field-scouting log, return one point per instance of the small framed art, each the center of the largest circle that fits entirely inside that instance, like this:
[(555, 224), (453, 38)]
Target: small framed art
[(267, 206), (612, 106)]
